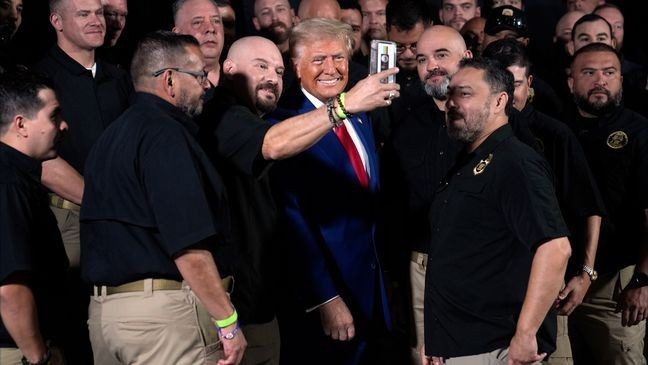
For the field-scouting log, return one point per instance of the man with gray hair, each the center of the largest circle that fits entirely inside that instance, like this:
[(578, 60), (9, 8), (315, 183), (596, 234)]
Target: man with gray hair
[(336, 304), (202, 20), (147, 245)]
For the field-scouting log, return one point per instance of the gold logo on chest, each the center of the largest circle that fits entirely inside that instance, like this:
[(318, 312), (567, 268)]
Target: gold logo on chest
[(481, 166), (617, 140)]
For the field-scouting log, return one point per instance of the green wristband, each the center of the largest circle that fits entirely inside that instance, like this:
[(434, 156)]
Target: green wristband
[(227, 321)]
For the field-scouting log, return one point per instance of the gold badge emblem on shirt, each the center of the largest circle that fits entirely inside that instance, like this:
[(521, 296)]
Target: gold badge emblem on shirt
[(481, 166), (617, 140)]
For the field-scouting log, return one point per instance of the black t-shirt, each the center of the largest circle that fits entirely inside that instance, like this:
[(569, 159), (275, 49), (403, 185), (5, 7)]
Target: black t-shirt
[(88, 104), (576, 189), (233, 136), (495, 207), (150, 192), (30, 242), (616, 146)]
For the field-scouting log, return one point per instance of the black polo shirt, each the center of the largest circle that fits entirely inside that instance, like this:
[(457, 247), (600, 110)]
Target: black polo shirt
[(232, 135), (495, 207), (616, 146), (30, 242), (88, 104), (150, 192), (576, 189), (422, 155)]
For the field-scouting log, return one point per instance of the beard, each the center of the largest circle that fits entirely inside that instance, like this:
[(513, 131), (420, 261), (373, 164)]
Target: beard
[(437, 91), (264, 105), (598, 108), (471, 127), (190, 107), (275, 35)]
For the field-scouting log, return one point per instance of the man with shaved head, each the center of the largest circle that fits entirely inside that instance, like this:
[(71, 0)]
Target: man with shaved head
[(243, 146)]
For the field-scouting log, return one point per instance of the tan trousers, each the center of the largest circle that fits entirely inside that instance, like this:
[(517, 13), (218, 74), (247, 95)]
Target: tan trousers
[(68, 224), (263, 344), (152, 327), (13, 356), (497, 357), (417, 283), (595, 329), (563, 353)]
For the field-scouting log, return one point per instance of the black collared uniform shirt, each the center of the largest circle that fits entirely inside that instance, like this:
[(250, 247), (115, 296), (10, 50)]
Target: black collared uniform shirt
[(88, 104), (616, 146), (495, 207), (30, 242), (150, 192)]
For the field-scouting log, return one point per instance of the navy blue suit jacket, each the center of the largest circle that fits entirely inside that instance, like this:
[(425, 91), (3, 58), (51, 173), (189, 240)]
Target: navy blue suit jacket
[(330, 221)]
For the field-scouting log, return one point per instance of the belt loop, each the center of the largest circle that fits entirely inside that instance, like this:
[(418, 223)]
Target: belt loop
[(148, 287)]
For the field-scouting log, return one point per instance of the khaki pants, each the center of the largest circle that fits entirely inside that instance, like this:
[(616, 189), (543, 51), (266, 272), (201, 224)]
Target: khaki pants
[(595, 329), (68, 224), (563, 353), (263, 344), (152, 327), (13, 356), (497, 357), (417, 283)]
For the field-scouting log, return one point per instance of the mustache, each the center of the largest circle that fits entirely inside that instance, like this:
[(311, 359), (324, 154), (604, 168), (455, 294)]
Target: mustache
[(278, 24), (453, 114), (269, 86), (599, 90), (433, 73)]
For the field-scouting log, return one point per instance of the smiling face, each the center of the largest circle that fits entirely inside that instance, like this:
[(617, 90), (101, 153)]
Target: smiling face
[(322, 66), (202, 20), (438, 53), (595, 82), (80, 25), (115, 12), (255, 68)]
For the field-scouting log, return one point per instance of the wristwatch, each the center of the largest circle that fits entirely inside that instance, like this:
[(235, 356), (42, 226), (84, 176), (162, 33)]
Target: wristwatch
[(639, 280), (593, 275)]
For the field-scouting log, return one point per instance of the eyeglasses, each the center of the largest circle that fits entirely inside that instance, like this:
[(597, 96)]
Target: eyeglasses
[(400, 48), (201, 76)]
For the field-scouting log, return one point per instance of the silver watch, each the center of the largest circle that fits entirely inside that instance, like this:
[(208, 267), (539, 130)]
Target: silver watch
[(593, 275)]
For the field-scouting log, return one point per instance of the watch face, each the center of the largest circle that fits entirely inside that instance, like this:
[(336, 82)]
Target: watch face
[(641, 279)]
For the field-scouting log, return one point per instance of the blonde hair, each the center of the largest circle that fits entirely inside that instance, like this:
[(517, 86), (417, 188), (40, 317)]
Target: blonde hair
[(314, 29)]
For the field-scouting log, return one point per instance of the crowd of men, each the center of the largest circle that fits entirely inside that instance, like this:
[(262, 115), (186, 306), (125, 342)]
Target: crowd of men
[(220, 196)]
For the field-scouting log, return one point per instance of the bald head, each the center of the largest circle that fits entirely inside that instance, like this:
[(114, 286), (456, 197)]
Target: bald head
[(438, 53), (565, 26), (254, 70), (319, 9), (246, 48)]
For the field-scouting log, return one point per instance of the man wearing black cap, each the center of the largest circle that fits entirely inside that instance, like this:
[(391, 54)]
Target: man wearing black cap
[(506, 22)]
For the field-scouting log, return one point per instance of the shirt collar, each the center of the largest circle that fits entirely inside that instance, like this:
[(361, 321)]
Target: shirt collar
[(25, 164), (490, 144), (70, 64), (168, 108), (315, 101)]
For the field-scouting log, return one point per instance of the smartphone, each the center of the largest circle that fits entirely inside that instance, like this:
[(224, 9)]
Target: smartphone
[(383, 57)]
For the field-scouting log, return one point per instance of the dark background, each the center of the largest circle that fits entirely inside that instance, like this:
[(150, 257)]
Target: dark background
[(36, 35)]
